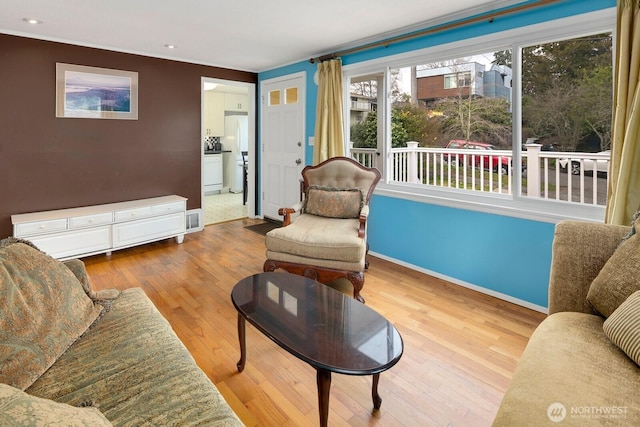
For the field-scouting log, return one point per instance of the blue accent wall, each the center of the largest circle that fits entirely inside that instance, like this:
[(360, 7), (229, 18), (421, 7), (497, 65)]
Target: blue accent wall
[(502, 254)]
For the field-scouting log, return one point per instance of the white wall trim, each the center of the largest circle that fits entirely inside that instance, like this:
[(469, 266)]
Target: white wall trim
[(541, 210)]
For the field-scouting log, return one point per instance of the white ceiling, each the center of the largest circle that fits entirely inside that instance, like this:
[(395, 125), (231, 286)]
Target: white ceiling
[(250, 35)]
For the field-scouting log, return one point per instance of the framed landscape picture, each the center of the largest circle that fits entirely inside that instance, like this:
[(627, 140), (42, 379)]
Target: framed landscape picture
[(96, 93)]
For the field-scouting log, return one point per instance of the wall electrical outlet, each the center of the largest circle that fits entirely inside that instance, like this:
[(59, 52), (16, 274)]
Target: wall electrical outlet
[(312, 140)]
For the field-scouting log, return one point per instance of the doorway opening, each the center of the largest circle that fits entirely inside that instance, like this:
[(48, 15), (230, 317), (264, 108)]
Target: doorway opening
[(228, 145)]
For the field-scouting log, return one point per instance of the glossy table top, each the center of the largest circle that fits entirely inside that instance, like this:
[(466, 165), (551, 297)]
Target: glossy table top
[(318, 324)]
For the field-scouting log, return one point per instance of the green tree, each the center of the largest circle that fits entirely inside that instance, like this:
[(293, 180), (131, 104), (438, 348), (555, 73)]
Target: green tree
[(480, 119), (566, 87), (364, 134), (552, 115), (408, 123), (595, 103), (411, 122), (502, 57), (565, 60)]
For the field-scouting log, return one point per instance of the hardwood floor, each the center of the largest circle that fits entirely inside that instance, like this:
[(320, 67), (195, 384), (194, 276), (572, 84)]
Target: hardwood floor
[(461, 346)]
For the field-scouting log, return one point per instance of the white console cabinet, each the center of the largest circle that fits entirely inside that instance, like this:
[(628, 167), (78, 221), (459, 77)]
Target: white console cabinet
[(90, 230)]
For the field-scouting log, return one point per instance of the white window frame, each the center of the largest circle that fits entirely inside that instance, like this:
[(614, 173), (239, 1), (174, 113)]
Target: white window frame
[(514, 205), (457, 79), (452, 80)]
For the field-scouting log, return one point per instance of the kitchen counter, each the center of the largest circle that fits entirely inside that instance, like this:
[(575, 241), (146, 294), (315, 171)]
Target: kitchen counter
[(216, 151)]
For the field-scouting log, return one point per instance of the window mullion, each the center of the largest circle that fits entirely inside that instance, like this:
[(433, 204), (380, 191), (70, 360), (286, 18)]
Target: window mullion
[(516, 118), (385, 130)]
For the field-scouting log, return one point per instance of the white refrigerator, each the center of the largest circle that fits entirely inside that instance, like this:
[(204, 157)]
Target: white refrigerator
[(235, 139)]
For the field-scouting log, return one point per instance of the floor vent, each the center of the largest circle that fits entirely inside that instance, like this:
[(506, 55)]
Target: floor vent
[(194, 220)]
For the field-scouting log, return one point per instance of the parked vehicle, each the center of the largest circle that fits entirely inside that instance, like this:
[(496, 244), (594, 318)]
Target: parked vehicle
[(488, 160), (601, 164)]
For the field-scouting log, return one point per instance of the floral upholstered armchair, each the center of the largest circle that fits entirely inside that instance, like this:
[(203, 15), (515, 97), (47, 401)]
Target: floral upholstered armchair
[(324, 237)]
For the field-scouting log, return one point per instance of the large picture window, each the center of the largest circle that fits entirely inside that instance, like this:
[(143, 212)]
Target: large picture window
[(523, 124)]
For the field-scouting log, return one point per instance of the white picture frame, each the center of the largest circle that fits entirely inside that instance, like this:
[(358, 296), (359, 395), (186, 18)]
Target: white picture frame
[(96, 93)]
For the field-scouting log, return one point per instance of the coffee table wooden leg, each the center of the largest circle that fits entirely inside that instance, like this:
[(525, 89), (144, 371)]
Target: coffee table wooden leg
[(377, 400), (243, 345), (324, 386)]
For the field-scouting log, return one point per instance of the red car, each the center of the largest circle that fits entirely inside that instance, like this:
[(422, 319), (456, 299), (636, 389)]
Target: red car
[(489, 161)]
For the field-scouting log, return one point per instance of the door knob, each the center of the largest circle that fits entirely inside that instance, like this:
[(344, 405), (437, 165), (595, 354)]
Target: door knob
[(298, 161)]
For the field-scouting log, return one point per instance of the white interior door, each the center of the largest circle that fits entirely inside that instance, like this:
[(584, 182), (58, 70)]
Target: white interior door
[(283, 142)]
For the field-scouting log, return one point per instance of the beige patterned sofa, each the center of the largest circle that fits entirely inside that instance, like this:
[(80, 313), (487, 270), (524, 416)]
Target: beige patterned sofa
[(580, 366), (70, 356)]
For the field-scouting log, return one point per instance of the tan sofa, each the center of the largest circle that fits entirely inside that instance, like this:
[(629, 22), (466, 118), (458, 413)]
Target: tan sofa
[(71, 356), (571, 373)]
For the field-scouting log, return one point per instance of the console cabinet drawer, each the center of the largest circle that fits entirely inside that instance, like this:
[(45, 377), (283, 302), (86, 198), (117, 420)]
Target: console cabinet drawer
[(41, 227), (131, 214), (150, 229), (169, 207), (90, 220), (71, 243)]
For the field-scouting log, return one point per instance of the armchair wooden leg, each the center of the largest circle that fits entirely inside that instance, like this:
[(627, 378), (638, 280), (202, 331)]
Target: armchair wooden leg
[(357, 280), (366, 261), (269, 265)]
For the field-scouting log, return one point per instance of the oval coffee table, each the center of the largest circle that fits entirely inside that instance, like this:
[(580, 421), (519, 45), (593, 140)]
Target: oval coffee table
[(324, 327)]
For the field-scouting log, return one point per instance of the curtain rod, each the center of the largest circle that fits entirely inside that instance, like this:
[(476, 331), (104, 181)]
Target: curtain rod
[(490, 16)]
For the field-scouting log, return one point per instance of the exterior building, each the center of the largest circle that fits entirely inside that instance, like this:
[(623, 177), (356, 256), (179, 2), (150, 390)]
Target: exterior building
[(462, 80), (497, 82), (361, 106)]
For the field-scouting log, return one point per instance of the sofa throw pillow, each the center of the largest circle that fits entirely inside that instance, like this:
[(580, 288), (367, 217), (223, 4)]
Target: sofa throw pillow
[(334, 202), (619, 277), (18, 408), (623, 327), (43, 310)]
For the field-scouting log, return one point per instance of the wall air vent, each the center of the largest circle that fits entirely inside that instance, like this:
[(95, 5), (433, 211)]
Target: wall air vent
[(194, 220)]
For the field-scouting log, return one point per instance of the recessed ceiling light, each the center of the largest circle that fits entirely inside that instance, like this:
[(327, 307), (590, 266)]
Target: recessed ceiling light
[(170, 46), (32, 21)]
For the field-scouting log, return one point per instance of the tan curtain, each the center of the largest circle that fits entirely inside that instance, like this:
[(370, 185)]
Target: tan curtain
[(329, 140), (624, 169)]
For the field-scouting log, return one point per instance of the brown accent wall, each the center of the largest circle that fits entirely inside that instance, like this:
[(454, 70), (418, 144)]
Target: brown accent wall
[(54, 163)]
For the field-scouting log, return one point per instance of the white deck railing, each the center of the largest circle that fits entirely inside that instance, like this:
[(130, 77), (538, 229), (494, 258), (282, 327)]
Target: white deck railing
[(472, 170)]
